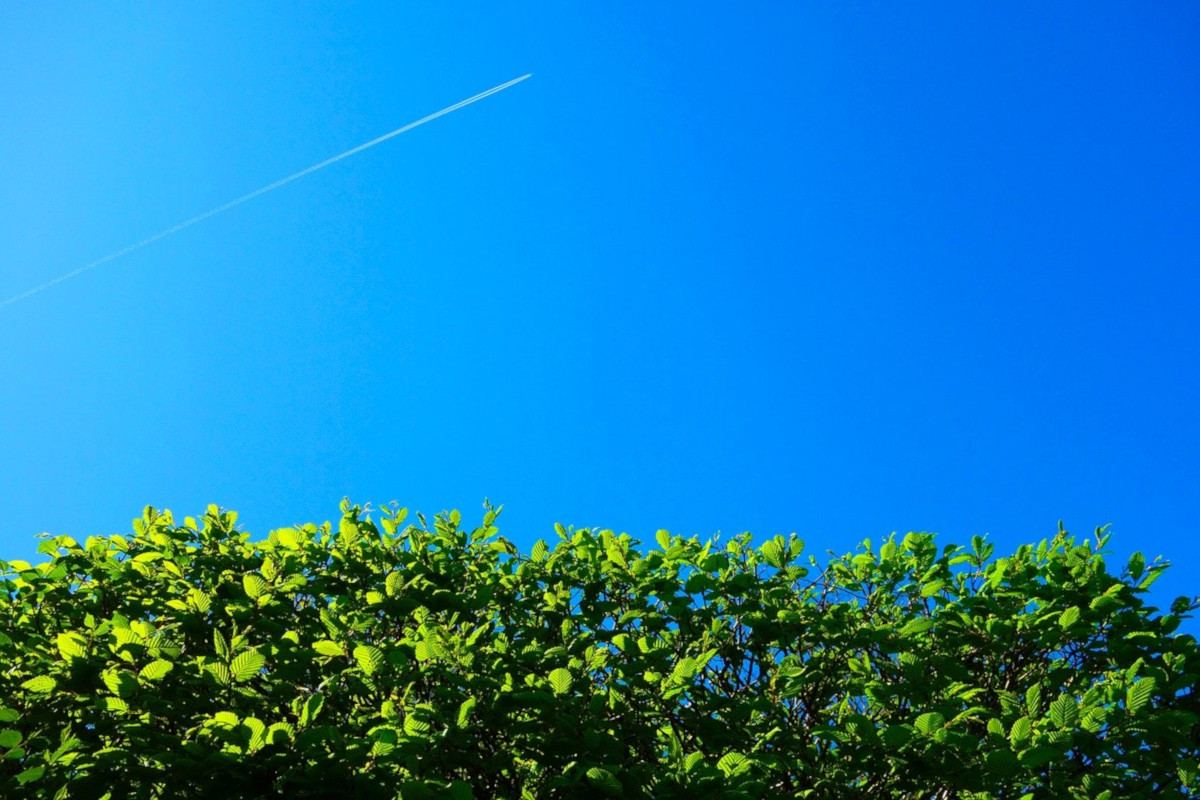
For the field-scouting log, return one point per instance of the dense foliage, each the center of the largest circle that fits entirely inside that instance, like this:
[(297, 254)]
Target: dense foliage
[(417, 661)]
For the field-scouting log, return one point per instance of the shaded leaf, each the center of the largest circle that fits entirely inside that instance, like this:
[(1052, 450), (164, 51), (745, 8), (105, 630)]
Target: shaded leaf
[(1064, 712), (120, 683), (605, 781)]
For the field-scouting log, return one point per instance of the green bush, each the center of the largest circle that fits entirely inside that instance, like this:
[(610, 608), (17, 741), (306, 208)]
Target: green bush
[(421, 661)]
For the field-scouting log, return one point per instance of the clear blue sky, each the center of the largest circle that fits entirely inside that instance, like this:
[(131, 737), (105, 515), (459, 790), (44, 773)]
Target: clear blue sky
[(841, 269)]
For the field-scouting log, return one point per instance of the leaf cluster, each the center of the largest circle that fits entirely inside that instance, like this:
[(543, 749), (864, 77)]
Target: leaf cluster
[(393, 660)]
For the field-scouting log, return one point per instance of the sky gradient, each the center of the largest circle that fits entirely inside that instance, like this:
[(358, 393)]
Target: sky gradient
[(838, 269)]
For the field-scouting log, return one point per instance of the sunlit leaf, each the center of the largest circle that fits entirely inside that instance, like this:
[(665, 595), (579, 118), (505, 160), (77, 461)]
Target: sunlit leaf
[(1069, 617), (1138, 695), (155, 670), (328, 648), (733, 764), (254, 585), (560, 681), (415, 726), (369, 658), (916, 626), (71, 646), (247, 664), (465, 709)]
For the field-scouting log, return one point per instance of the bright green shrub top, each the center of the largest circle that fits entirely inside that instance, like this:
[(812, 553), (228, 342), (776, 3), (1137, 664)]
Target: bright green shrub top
[(431, 661)]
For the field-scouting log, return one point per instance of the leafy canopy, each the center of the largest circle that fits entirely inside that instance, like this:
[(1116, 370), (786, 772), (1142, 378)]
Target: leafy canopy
[(417, 661)]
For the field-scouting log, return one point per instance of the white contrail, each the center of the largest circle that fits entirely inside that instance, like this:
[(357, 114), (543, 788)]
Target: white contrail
[(263, 190)]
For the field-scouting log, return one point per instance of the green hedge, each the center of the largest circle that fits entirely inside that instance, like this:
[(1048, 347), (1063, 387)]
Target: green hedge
[(382, 660)]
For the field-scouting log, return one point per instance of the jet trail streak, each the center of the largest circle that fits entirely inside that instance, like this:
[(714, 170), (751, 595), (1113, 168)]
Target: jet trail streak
[(263, 190)]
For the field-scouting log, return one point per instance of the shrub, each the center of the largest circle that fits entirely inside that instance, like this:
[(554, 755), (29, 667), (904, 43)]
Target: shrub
[(390, 660)]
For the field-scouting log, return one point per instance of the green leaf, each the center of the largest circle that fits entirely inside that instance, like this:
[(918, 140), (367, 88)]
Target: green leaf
[(220, 672), (560, 681), (929, 722), (733, 764), (394, 584), (1139, 694), (1033, 700), (772, 554), (1064, 712), (1069, 617), (1137, 565), (257, 733), (915, 626), (465, 710), (155, 670), (1038, 756), (247, 664), (1002, 762), (114, 705), (279, 733), (896, 736), (328, 648), (605, 781), (220, 644), (664, 539), (1022, 729), (1105, 603), (290, 538), (120, 682), (312, 707), (684, 670), (540, 550), (9, 738), (415, 726), (71, 646), (226, 719), (369, 658), (31, 774), (9, 715), (254, 585)]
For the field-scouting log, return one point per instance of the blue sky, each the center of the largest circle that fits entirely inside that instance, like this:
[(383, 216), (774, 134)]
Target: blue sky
[(841, 269)]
